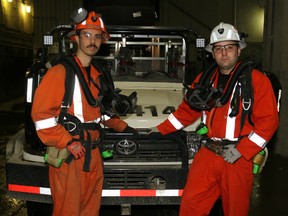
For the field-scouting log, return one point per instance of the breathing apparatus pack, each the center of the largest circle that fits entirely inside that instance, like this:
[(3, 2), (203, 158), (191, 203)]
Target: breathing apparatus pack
[(110, 103), (204, 95), (109, 100)]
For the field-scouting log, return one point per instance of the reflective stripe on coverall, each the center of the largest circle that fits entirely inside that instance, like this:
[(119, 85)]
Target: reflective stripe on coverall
[(74, 192), (210, 176)]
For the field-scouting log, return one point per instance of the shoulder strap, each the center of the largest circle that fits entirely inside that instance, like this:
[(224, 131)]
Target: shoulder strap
[(69, 89), (77, 70), (247, 95)]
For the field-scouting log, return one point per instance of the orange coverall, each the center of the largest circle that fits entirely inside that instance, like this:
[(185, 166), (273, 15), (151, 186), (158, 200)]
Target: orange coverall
[(74, 192), (210, 176)]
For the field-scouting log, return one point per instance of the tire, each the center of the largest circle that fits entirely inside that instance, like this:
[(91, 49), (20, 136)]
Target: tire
[(170, 210), (36, 209)]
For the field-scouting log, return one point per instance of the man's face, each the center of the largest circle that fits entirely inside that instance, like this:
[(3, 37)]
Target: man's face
[(226, 55), (89, 41)]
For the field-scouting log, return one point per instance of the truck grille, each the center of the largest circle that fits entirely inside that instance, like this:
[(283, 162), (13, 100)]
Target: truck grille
[(126, 179), (145, 161), (146, 148)]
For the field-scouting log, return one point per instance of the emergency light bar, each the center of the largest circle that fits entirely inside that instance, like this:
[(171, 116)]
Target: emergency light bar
[(48, 40), (200, 42)]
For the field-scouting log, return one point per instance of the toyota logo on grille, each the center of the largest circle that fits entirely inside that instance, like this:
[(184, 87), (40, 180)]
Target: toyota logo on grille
[(126, 147)]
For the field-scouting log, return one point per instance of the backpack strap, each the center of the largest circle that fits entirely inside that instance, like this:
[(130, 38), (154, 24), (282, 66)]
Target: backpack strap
[(245, 86), (72, 65), (69, 90), (247, 95)]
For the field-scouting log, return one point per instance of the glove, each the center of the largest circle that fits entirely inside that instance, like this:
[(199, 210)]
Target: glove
[(76, 149), (153, 130), (231, 154), (129, 129)]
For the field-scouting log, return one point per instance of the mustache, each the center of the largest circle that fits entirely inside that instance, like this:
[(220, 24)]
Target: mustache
[(92, 45)]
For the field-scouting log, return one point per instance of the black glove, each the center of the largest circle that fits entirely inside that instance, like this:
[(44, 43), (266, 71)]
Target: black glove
[(129, 129)]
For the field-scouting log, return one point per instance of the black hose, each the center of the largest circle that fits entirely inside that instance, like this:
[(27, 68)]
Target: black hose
[(206, 76), (90, 99), (200, 96), (224, 99)]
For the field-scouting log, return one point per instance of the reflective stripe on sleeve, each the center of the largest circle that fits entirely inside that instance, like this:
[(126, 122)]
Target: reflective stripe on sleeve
[(255, 138), (46, 123), (175, 122), (105, 117)]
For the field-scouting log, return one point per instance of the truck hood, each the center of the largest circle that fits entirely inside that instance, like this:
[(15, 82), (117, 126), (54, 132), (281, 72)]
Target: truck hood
[(155, 102)]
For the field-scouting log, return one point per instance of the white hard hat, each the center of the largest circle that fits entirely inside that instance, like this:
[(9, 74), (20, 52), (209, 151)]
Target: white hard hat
[(224, 32)]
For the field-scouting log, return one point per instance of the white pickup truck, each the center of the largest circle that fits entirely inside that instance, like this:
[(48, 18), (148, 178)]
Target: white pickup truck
[(144, 169)]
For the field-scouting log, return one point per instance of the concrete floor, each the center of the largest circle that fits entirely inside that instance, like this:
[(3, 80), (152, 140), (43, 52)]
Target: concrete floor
[(270, 188)]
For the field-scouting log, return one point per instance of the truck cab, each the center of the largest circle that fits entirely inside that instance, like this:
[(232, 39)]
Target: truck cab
[(144, 169)]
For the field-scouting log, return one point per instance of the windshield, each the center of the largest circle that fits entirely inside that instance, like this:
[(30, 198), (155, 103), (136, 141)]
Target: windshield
[(158, 58)]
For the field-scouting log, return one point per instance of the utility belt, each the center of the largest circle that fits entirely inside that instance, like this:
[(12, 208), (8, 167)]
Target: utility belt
[(55, 156), (74, 126), (216, 145)]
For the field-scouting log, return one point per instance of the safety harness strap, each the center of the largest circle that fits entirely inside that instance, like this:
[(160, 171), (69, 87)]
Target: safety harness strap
[(69, 89), (247, 95), (71, 123), (243, 94), (87, 159)]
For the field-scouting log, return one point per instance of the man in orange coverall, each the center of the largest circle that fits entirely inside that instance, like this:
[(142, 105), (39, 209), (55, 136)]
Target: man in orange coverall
[(74, 191), (229, 175)]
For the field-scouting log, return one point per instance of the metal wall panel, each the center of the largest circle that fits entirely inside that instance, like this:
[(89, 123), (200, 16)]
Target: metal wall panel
[(275, 61)]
